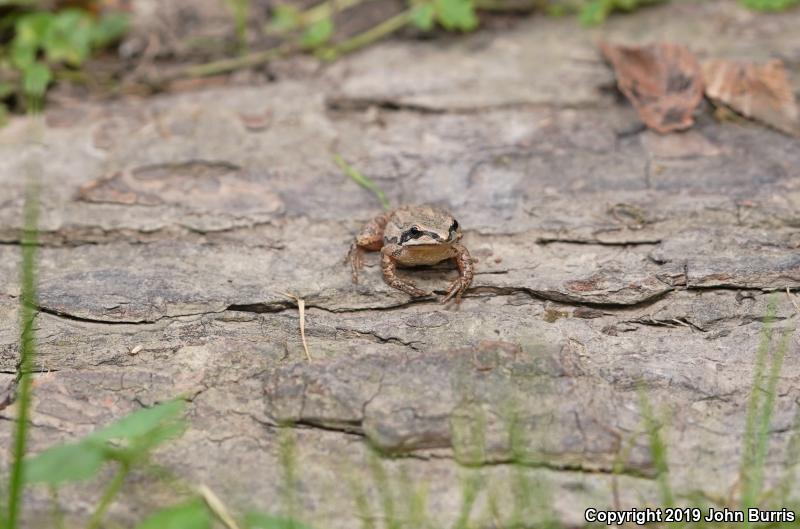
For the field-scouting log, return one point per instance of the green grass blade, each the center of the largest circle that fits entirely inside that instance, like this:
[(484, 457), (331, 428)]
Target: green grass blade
[(769, 399), (532, 502), (109, 495), (416, 501), (471, 485), (27, 348), (760, 442), (521, 484), (362, 180), (360, 499), (382, 484), (748, 473), (287, 451), (27, 353), (658, 449), (492, 507)]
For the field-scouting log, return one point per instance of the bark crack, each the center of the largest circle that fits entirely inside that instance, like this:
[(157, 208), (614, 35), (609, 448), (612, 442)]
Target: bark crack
[(279, 306), (354, 429), (383, 339)]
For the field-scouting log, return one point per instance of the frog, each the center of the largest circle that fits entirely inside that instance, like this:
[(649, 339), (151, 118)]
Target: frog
[(412, 236)]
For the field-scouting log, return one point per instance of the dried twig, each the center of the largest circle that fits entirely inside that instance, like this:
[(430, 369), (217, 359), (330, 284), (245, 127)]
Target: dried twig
[(223, 66), (217, 507), (301, 307)]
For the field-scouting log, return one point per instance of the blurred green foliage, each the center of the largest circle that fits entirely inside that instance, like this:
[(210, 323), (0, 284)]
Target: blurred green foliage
[(190, 515), (452, 15), (770, 5), (240, 9), (255, 520), (126, 442), (318, 33), (315, 26), (38, 42), (594, 12)]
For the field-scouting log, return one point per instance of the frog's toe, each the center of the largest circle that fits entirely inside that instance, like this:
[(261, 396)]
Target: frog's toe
[(456, 289), (356, 258), (412, 290), (354, 267), (407, 287)]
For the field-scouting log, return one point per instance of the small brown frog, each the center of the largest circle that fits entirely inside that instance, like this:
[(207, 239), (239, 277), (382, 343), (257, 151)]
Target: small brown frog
[(413, 236)]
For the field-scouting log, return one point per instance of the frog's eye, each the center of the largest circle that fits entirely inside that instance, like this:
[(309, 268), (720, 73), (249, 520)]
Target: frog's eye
[(414, 231)]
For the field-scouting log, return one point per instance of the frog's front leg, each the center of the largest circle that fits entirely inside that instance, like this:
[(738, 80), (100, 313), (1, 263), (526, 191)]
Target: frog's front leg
[(465, 274), (389, 267), (369, 238)]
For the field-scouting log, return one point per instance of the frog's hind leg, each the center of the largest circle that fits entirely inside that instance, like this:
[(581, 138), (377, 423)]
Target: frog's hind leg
[(369, 238), (389, 268), (465, 274)]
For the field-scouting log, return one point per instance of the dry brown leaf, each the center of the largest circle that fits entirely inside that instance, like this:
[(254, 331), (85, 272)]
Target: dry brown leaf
[(301, 308), (256, 122), (760, 92), (662, 81)]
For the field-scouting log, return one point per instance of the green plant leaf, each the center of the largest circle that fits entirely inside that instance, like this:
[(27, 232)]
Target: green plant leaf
[(31, 28), (284, 18), (595, 12), (191, 515), (317, 33), (142, 422), (423, 16), (68, 37), (108, 29), (257, 520), (65, 463), (22, 54), (35, 78), (456, 14), (3, 121), (140, 446), (144, 430)]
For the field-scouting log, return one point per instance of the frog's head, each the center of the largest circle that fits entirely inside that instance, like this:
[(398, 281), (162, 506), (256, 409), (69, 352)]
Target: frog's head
[(425, 226)]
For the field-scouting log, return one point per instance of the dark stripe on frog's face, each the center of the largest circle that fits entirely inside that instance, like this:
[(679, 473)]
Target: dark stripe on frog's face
[(415, 233), (453, 235)]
